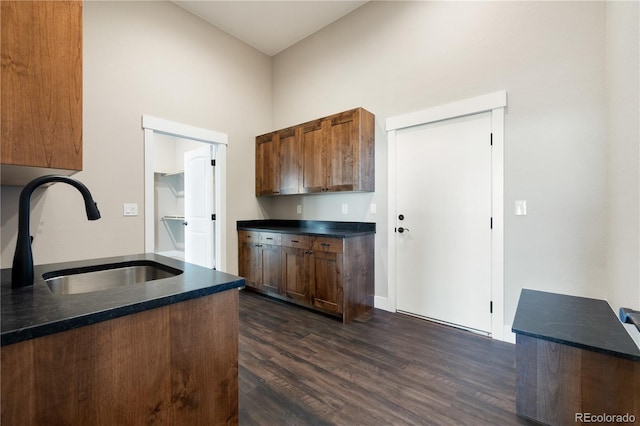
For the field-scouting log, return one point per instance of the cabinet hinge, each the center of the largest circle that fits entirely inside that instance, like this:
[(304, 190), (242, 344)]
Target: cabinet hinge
[(213, 162), (491, 223), (213, 217), (491, 138), (491, 307)]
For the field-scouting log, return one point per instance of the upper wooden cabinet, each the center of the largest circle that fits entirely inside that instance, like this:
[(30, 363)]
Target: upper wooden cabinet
[(41, 89), (331, 154), (279, 162)]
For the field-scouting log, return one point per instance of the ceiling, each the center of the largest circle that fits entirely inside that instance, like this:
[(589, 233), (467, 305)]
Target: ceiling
[(270, 26)]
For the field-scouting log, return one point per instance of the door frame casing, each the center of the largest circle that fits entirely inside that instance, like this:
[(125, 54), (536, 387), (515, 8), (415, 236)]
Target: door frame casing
[(495, 103), (152, 125)]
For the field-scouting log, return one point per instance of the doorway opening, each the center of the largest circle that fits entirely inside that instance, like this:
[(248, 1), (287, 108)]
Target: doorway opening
[(402, 243), (185, 192)]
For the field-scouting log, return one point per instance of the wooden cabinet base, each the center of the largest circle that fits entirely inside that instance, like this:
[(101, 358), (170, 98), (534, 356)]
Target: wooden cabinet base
[(331, 275), (172, 365), (559, 384)]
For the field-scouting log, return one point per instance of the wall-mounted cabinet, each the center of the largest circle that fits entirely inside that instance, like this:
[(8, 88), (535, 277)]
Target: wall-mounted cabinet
[(331, 154), (41, 89)]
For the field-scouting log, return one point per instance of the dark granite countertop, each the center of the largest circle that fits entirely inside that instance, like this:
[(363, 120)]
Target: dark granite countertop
[(34, 311), (309, 227), (575, 321)]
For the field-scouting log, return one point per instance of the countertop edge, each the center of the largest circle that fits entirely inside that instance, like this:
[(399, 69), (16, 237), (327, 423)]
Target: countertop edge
[(308, 227), (578, 345), (41, 330)]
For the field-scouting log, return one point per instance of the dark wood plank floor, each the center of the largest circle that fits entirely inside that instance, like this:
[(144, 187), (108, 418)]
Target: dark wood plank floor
[(298, 367)]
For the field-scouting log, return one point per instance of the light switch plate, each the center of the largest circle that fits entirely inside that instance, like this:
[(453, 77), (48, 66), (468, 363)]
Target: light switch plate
[(521, 207), (130, 209)]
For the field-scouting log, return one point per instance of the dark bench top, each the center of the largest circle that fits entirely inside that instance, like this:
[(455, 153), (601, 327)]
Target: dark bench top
[(309, 227), (575, 321)]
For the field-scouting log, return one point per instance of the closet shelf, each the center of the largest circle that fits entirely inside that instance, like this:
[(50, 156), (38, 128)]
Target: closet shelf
[(177, 172), (172, 217)]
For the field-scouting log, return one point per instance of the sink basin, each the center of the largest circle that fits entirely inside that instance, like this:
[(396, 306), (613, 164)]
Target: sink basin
[(102, 277)]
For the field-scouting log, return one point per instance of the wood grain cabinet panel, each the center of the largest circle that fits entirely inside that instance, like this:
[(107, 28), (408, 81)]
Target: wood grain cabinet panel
[(267, 165), (327, 288), (250, 258), (315, 160), (259, 260), (333, 275), (41, 89), (331, 154), (290, 160), (173, 365)]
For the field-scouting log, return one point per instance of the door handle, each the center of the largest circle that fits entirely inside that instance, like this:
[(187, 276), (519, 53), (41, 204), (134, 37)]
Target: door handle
[(401, 229), (184, 223)]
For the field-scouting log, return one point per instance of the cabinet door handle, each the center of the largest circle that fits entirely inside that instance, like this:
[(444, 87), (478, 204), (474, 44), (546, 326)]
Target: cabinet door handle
[(269, 238), (325, 244), (295, 241)]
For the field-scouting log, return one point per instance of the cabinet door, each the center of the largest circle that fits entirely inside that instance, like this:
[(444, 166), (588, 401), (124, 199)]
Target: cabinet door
[(327, 282), (344, 154), (290, 157), (314, 141), (250, 259), (271, 268), (296, 273), (267, 180), (41, 85)]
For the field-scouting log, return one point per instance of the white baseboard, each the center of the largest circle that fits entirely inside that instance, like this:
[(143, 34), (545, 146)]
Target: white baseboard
[(508, 335), (383, 303)]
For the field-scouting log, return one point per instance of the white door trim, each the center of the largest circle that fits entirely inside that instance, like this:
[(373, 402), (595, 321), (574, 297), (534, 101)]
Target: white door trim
[(496, 103), (219, 141)]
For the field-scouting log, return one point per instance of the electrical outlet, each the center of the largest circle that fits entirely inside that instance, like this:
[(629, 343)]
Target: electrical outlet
[(372, 208), (345, 209), (130, 209), (299, 209)]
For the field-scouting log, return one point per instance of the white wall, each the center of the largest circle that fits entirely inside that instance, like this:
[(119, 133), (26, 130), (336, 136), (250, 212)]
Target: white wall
[(623, 100), (147, 58), (398, 57)]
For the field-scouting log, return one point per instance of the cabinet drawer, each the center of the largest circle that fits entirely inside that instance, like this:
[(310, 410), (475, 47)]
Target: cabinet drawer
[(332, 245), (248, 237), (297, 241), (272, 238)]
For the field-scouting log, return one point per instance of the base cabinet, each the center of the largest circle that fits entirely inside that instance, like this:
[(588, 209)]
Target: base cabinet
[(260, 260), (173, 365), (332, 275), (297, 268)]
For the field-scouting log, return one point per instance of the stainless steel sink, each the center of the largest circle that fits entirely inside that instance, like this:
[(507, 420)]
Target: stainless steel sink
[(102, 277)]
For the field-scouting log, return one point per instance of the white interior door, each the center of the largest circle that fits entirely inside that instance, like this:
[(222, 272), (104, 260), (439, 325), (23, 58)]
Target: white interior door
[(444, 196), (199, 207)]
